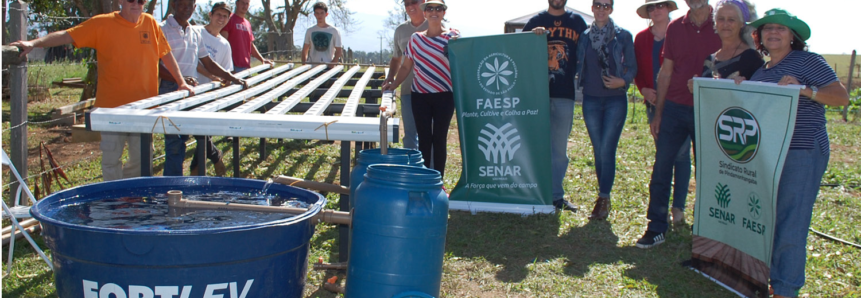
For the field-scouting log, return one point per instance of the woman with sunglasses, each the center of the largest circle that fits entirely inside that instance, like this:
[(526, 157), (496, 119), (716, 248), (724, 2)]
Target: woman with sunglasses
[(606, 65), (649, 48), (432, 97), (781, 36), (736, 58)]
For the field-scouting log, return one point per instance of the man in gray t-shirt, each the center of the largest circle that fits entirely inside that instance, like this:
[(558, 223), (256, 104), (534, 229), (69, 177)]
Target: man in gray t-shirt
[(322, 41), (416, 23)]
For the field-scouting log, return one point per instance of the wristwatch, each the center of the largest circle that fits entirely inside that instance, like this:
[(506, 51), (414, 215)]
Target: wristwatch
[(813, 95)]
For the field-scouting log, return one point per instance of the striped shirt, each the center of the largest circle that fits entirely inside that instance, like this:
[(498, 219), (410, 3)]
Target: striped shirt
[(186, 45), (432, 71), (811, 70)]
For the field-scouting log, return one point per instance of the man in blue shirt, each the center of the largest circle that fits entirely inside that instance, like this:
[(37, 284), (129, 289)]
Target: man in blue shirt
[(563, 29)]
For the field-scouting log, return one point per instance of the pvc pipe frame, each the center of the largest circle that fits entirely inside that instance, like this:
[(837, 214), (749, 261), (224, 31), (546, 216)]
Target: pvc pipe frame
[(307, 184), (175, 203)]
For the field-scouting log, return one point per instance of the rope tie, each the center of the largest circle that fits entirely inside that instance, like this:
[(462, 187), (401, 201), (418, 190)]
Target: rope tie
[(163, 129), (326, 125)]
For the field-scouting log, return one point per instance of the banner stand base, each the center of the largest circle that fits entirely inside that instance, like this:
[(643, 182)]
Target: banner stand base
[(733, 269), (522, 209)]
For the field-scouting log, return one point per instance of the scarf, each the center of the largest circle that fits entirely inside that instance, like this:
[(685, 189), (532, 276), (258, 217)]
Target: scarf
[(600, 38)]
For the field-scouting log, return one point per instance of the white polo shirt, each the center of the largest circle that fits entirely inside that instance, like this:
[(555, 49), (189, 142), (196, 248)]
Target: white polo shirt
[(185, 45)]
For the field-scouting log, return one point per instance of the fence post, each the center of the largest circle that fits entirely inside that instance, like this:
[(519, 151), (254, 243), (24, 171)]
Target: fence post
[(849, 87), (18, 90)]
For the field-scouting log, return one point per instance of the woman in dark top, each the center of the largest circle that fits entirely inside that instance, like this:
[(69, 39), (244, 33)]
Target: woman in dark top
[(605, 66), (782, 37), (649, 47), (736, 59)]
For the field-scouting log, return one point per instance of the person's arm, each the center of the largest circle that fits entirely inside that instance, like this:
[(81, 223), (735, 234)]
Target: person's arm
[(338, 53), (170, 64), (305, 49), (215, 69), (256, 54), (51, 40), (664, 77), (401, 76), (833, 94), (201, 70), (394, 64), (165, 74), (225, 33)]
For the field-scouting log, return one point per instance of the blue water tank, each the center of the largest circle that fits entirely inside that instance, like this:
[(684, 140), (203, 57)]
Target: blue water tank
[(267, 259), (398, 233), (396, 156)]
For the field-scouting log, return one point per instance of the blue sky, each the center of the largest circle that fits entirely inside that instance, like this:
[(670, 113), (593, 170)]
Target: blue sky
[(476, 17)]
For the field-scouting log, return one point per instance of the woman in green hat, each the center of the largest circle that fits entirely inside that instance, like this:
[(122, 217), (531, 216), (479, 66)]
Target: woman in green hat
[(781, 36)]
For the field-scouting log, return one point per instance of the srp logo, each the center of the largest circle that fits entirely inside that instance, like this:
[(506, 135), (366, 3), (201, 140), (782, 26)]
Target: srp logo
[(737, 134)]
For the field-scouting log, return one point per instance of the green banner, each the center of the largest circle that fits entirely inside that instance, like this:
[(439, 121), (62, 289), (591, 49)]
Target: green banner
[(743, 133), (503, 103)]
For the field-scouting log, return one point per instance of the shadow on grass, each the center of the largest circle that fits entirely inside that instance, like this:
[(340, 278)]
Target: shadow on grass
[(514, 242)]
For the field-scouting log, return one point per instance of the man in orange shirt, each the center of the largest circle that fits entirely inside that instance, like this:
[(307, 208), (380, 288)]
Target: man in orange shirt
[(128, 44)]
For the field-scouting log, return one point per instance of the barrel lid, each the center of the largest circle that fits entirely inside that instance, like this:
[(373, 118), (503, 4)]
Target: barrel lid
[(404, 174), (394, 156)]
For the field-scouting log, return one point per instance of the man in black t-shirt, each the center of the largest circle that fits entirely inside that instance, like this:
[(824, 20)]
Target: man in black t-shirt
[(563, 29)]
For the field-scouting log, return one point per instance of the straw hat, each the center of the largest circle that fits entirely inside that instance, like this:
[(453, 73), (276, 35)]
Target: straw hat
[(641, 11)]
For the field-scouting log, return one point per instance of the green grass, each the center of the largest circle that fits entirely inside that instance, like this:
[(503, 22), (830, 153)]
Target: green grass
[(559, 255)]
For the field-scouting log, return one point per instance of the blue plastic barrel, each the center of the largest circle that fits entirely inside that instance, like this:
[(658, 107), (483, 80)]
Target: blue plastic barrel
[(398, 233), (257, 260), (396, 156)]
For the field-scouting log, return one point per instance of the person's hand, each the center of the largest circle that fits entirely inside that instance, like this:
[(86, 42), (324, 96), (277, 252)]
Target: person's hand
[(539, 30), (191, 81), (24, 46), (738, 79), (612, 82), (270, 62), (389, 86), (186, 87), (788, 80), (655, 127), (240, 82), (691, 85), (386, 83), (650, 95)]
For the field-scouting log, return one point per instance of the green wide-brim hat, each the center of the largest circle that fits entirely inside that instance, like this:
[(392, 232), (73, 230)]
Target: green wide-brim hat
[(783, 17)]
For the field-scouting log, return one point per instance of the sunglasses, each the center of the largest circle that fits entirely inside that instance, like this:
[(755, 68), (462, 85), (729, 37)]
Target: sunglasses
[(604, 6), (141, 2), (651, 8), (438, 8)]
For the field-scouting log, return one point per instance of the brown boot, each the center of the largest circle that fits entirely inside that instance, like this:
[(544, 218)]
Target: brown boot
[(220, 169), (601, 210)]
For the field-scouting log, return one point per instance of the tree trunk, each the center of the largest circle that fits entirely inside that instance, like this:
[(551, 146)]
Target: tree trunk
[(150, 7)]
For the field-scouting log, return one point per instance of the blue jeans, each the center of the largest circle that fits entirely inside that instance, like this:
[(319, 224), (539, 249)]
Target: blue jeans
[(238, 69), (174, 145), (681, 168), (796, 193), (677, 128), (605, 118), (561, 119), (411, 139)]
